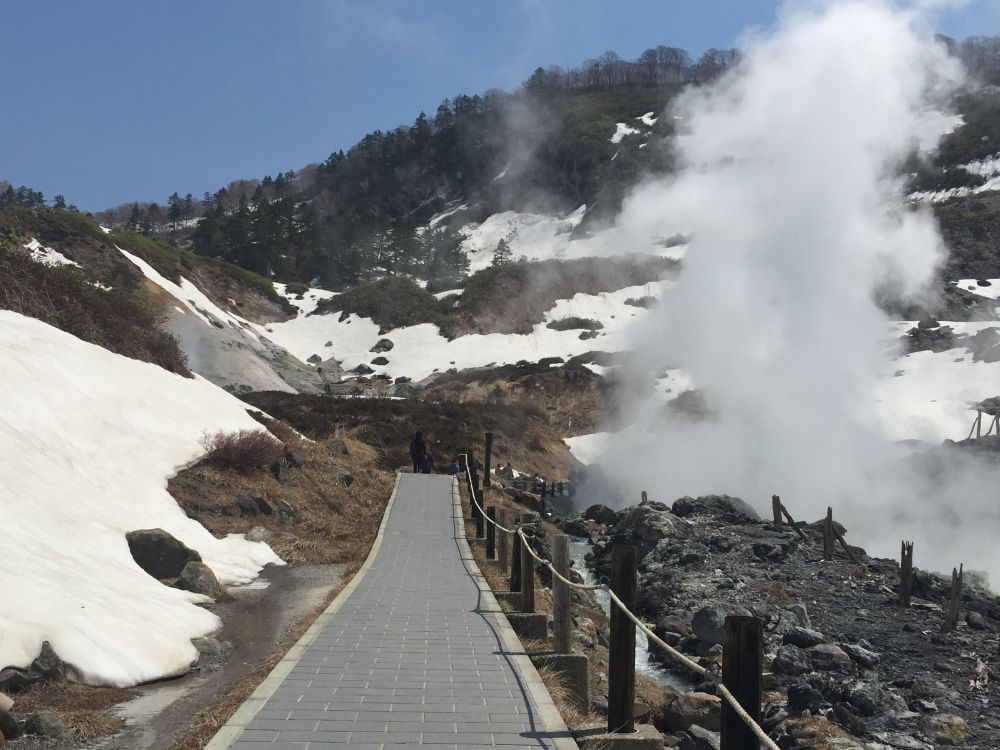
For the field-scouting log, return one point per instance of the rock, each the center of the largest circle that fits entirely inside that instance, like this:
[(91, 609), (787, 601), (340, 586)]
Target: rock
[(286, 512), (362, 370), (801, 614), (849, 720), (200, 579), (901, 741), (803, 696), (803, 637), (45, 724), (976, 621), (926, 323), (830, 658), (258, 534), (644, 525), (946, 729), (792, 661), (14, 680), (336, 503), (281, 472), (697, 738), (382, 345), (159, 553), (687, 709), (246, 504), (601, 514), (9, 728), (47, 665), (314, 359), (380, 361), (709, 621), (344, 476), (295, 456), (731, 509), (328, 343), (212, 647), (263, 506), (863, 697), (861, 655), (670, 624)]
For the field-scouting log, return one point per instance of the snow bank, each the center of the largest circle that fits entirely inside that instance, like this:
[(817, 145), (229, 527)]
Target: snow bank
[(89, 438), (623, 129), (47, 256), (308, 302), (421, 350), (971, 285)]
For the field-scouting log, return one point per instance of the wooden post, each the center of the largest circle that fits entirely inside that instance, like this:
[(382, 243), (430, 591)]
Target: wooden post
[(828, 535), (742, 661), (487, 482), (527, 579), (776, 510), (979, 424), (478, 513), (791, 522), (562, 627), (906, 574), (843, 543), (955, 606), (503, 548), (491, 534), (560, 489), (515, 560), (621, 643)]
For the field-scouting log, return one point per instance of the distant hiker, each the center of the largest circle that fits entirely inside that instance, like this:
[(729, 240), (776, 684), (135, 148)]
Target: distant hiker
[(418, 451), (428, 464), (507, 472), (453, 468)]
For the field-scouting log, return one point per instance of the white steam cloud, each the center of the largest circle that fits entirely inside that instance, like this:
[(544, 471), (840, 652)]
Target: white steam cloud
[(789, 187)]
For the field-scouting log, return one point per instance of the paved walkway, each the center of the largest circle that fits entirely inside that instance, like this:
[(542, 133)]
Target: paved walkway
[(415, 655)]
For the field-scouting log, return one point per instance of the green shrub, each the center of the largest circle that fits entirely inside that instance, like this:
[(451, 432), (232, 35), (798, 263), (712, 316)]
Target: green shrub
[(573, 323), (296, 288), (644, 302), (391, 302)]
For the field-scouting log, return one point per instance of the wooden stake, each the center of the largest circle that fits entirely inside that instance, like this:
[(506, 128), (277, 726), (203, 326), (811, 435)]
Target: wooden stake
[(562, 626), (478, 515), (487, 482), (491, 534), (840, 538), (776, 510), (742, 663), (828, 535), (621, 644), (955, 606), (515, 561), (979, 424), (503, 543), (906, 574), (527, 579)]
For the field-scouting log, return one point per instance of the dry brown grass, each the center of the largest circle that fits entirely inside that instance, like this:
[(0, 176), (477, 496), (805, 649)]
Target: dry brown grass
[(83, 708), (553, 681), (244, 451), (210, 719)]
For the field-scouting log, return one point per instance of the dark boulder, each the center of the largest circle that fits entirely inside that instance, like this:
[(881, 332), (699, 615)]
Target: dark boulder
[(314, 359), (198, 578), (45, 724), (792, 661), (295, 456), (47, 665), (247, 504), (803, 637), (803, 696), (382, 345), (708, 622), (158, 553), (601, 514), (726, 508), (380, 361), (286, 512)]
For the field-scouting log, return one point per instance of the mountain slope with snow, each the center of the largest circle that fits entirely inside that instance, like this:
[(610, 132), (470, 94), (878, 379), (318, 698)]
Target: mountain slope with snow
[(90, 438)]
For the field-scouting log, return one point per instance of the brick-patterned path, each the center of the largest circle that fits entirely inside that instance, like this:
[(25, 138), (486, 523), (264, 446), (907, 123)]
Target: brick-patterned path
[(414, 656)]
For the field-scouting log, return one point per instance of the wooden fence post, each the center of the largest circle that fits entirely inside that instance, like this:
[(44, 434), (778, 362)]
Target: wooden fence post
[(515, 560), (828, 535), (776, 510), (621, 643), (906, 574), (527, 578), (562, 627), (955, 605), (742, 661), (487, 482), (491, 534), (480, 521), (503, 547)]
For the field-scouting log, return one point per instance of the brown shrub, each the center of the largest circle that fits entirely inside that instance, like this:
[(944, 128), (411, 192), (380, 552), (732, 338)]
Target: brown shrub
[(244, 451)]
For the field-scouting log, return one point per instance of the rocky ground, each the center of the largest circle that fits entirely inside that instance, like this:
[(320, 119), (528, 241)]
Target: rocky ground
[(846, 666)]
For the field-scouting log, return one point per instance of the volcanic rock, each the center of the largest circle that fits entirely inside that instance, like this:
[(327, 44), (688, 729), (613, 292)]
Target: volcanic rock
[(159, 553)]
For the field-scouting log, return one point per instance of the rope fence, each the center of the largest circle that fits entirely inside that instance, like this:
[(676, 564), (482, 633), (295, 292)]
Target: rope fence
[(693, 666)]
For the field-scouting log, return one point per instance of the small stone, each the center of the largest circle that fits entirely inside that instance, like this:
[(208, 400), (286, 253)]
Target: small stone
[(45, 724), (861, 655), (803, 637), (830, 658), (946, 729), (380, 361), (314, 359)]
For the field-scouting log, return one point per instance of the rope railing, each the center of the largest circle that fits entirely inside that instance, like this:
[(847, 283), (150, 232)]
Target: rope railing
[(672, 652)]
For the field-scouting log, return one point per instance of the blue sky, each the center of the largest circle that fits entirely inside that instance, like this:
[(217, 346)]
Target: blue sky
[(122, 100)]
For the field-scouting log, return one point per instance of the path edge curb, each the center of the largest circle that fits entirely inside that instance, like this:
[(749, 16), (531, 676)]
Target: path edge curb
[(230, 731), (547, 710)]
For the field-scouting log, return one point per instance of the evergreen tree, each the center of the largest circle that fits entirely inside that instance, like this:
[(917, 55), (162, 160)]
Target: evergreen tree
[(59, 202), (502, 255)]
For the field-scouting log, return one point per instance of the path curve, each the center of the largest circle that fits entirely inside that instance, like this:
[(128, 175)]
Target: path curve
[(415, 651)]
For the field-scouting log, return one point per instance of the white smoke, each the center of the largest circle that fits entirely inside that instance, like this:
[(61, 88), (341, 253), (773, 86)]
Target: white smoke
[(789, 188)]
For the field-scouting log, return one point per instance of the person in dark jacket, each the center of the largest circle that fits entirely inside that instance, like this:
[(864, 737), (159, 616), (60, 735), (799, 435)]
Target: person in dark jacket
[(418, 451)]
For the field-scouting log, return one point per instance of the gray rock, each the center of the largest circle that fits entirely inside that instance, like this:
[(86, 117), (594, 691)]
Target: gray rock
[(14, 680), (732, 509), (281, 472), (382, 345), (47, 665), (197, 577), (699, 739), (344, 476), (263, 506), (803, 696), (379, 361), (849, 720), (685, 710), (901, 741), (976, 621), (295, 456), (861, 655), (830, 658), (801, 614), (601, 514), (946, 729), (864, 698), (159, 553), (792, 661), (247, 504), (803, 637), (212, 647), (286, 512), (45, 724), (709, 622), (314, 359)]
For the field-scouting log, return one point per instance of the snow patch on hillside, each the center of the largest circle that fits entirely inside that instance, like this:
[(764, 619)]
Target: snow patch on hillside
[(648, 118), (307, 302), (47, 256), (91, 438), (972, 286), (421, 350), (623, 129)]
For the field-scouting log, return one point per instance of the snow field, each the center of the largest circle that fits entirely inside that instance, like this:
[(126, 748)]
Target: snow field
[(92, 437), (47, 256), (309, 301)]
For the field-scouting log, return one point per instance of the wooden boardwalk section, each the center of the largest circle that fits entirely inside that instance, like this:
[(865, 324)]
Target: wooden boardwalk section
[(415, 651)]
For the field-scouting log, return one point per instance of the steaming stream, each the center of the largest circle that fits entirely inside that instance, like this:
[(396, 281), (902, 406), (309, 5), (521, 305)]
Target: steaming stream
[(578, 549)]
